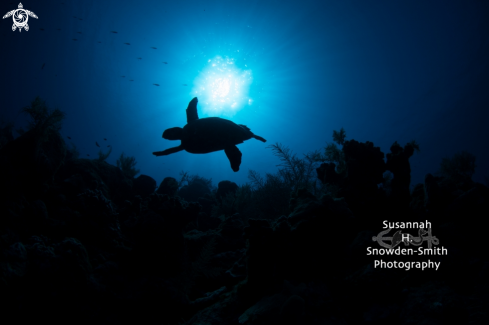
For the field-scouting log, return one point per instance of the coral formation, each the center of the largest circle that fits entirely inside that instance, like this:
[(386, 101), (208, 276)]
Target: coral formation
[(398, 164), (169, 186), (286, 248), (144, 185), (196, 187), (126, 164), (103, 156), (460, 167), (224, 188)]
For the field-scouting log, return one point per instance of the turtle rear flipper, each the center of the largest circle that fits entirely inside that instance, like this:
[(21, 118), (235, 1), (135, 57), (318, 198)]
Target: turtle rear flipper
[(234, 156)]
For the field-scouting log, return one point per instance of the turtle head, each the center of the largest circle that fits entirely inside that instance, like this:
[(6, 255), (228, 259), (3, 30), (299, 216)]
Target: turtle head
[(175, 133)]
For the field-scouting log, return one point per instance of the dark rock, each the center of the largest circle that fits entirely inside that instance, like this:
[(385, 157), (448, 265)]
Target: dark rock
[(398, 164), (6, 134), (473, 203), (207, 222), (194, 190), (358, 249), (13, 263), (81, 174), (433, 303), (238, 270), (232, 232), (418, 198), (381, 314), (267, 309), (327, 174), (144, 185), (224, 188), (32, 160), (365, 167), (168, 186), (292, 311), (436, 196), (207, 202), (74, 261)]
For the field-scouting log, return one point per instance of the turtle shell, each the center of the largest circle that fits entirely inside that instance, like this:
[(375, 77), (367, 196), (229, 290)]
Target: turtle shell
[(213, 134)]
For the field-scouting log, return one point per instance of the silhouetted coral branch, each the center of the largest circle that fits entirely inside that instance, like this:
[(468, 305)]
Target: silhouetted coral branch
[(414, 145), (339, 137), (126, 164), (256, 179), (103, 156), (296, 172), (42, 117), (460, 166)]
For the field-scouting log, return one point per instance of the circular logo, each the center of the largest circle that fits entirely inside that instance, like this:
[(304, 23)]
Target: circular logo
[(20, 18)]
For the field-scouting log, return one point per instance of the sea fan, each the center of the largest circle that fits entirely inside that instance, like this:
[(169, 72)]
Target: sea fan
[(103, 156), (339, 137), (42, 117), (458, 168), (126, 164)]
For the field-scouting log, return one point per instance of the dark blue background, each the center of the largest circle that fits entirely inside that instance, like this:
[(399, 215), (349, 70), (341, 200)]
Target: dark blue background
[(384, 70)]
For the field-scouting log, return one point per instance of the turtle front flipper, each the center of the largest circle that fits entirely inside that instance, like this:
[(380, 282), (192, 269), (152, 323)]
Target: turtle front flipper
[(234, 156), (192, 110), (168, 151)]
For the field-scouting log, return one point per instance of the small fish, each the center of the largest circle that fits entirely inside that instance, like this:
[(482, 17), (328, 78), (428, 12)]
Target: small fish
[(99, 42), (184, 84), (88, 155), (165, 62), (43, 66), (79, 32), (80, 19), (74, 16), (131, 80), (108, 145), (154, 48), (113, 31), (58, 28), (69, 138), (75, 39), (123, 76), (156, 85), (139, 58), (127, 43), (97, 144), (105, 139), (41, 28)]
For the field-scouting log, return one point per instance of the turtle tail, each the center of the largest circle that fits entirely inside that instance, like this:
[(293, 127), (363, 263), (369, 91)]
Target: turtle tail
[(257, 137)]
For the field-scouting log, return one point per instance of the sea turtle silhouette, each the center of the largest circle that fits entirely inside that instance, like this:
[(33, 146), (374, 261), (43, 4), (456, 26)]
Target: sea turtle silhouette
[(20, 17), (208, 135)]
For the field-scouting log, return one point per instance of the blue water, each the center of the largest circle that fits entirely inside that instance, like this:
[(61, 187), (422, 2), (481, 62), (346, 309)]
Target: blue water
[(292, 71)]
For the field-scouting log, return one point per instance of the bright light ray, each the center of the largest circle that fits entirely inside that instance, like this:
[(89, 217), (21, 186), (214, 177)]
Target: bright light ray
[(222, 88)]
